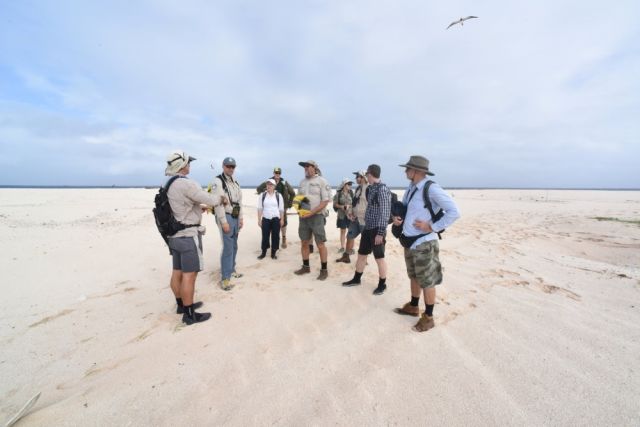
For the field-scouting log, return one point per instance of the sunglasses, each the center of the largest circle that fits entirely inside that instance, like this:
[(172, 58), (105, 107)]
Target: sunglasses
[(230, 166), (277, 173)]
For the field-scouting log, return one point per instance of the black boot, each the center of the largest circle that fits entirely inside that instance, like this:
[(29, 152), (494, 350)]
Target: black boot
[(263, 254), (180, 309), (273, 255), (190, 316), (355, 281)]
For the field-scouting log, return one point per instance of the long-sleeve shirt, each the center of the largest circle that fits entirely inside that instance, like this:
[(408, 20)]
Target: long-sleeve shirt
[(233, 193), (378, 208), (185, 196), (359, 208), (416, 210)]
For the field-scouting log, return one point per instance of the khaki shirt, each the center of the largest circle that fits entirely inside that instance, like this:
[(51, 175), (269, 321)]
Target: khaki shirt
[(317, 190), (234, 194), (359, 209), (185, 196)]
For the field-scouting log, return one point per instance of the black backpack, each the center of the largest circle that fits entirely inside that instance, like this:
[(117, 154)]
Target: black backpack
[(165, 221), (435, 216)]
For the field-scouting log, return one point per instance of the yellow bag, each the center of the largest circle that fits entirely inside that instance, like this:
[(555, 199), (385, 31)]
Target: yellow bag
[(301, 204)]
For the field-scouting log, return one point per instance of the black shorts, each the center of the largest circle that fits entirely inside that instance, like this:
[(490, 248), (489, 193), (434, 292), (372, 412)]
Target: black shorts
[(367, 245)]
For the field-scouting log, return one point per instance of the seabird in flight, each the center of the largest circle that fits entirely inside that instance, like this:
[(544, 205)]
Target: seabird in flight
[(460, 21)]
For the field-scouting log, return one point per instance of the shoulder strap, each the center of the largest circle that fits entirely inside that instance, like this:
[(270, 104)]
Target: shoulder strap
[(425, 197), (278, 196), (224, 187), (171, 180)]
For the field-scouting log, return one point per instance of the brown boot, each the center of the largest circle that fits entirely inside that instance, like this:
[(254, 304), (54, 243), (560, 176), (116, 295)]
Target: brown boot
[(424, 324), (305, 269), (409, 310), (324, 273), (344, 258), (284, 242)]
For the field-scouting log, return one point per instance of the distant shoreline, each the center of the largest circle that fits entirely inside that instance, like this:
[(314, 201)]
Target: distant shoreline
[(153, 187)]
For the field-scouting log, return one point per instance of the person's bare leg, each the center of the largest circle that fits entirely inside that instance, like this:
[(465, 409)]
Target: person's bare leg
[(175, 283), (382, 268), (343, 237), (187, 288), (304, 249), (322, 248)]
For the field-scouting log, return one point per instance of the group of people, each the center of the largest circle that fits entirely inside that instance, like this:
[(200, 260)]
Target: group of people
[(366, 211)]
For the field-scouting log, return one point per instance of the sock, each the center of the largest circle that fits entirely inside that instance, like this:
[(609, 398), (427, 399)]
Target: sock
[(415, 301), (357, 276), (429, 310), (305, 262), (323, 265), (179, 302), (382, 282)]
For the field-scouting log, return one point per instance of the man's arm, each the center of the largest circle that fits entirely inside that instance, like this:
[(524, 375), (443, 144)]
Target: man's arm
[(218, 191), (448, 205)]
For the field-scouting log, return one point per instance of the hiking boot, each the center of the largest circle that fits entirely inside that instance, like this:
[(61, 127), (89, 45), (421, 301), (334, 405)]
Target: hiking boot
[(424, 324), (180, 309), (344, 258), (324, 273), (226, 285), (352, 282), (263, 254), (236, 275), (193, 317), (379, 290), (409, 310), (284, 242), (303, 270), (273, 255)]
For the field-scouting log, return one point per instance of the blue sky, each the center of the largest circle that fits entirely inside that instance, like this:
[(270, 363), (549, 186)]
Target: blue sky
[(530, 94)]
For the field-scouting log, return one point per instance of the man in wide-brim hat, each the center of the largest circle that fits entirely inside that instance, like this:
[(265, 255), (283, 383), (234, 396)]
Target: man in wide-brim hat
[(419, 237)]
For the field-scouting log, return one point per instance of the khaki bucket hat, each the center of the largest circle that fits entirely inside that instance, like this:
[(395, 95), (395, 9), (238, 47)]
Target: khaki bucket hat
[(419, 163)]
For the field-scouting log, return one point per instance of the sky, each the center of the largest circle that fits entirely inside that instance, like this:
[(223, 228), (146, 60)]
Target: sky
[(542, 94)]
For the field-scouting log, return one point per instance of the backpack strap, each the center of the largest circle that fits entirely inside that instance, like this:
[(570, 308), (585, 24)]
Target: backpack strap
[(170, 181), (278, 196), (224, 187), (427, 204)]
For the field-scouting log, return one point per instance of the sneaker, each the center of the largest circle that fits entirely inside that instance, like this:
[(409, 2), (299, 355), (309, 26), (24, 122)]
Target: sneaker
[(284, 242), (324, 273), (379, 290), (424, 324), (226, 285), (303, 270), (236, 275), (352, 282), (195, 318), (344, 258), (409, 310), (180, 309)]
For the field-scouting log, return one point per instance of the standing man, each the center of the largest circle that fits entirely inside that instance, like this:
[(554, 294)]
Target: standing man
[(318, 191), (229, 220), (420, 232), (287, 192), (375, 229), (185, 198), (356, 215)]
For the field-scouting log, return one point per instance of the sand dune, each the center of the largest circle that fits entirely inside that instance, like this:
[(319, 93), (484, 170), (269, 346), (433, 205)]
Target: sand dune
[(537, 321)]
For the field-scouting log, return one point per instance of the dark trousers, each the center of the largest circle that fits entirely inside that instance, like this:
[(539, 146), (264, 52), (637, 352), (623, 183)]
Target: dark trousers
[(270, 227)]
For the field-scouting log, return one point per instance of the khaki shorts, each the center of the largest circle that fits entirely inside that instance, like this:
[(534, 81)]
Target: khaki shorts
[(312, 226), (423, 264)]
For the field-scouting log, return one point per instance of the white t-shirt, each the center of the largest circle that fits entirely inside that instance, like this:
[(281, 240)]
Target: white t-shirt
[(271, 208)]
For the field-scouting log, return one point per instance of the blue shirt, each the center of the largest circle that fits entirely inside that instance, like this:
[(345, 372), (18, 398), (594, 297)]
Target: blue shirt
[(416, 210)]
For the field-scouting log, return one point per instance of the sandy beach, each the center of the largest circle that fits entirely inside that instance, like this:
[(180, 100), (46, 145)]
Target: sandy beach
[(537, 322)]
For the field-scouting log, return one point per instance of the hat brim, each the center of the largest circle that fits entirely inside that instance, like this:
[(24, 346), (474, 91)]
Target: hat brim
[(418, 168), (303, 164), (191, 159)]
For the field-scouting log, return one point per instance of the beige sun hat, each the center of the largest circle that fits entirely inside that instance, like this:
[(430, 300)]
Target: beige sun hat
[(176, 160), (344, 182)]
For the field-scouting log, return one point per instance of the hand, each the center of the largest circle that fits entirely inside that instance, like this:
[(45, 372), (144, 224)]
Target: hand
[(397, 220), (281, 222), (422, 226), (224, 200), (378, 240), (306, 215), (241, 223), (226, 228), (260, 222)]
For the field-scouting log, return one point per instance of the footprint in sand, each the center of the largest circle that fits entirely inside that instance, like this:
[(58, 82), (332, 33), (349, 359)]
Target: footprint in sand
[(50, 318)]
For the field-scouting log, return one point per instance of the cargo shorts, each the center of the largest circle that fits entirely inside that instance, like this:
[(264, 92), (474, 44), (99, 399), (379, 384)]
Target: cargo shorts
[(423, 264), (313, 225)]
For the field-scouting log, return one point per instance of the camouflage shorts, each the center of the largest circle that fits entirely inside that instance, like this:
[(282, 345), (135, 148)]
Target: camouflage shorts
[(423, 264)]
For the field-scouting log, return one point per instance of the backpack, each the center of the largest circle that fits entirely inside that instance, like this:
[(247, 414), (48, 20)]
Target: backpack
[(336, 199), (165, 221)]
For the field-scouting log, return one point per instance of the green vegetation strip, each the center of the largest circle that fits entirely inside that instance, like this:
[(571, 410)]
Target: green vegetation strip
[(608, 218)]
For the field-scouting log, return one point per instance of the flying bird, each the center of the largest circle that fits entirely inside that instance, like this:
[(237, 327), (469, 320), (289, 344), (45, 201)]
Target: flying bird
[(460, 21)]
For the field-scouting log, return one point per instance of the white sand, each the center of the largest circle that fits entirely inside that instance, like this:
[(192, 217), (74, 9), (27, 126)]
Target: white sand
[(538, 321)]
